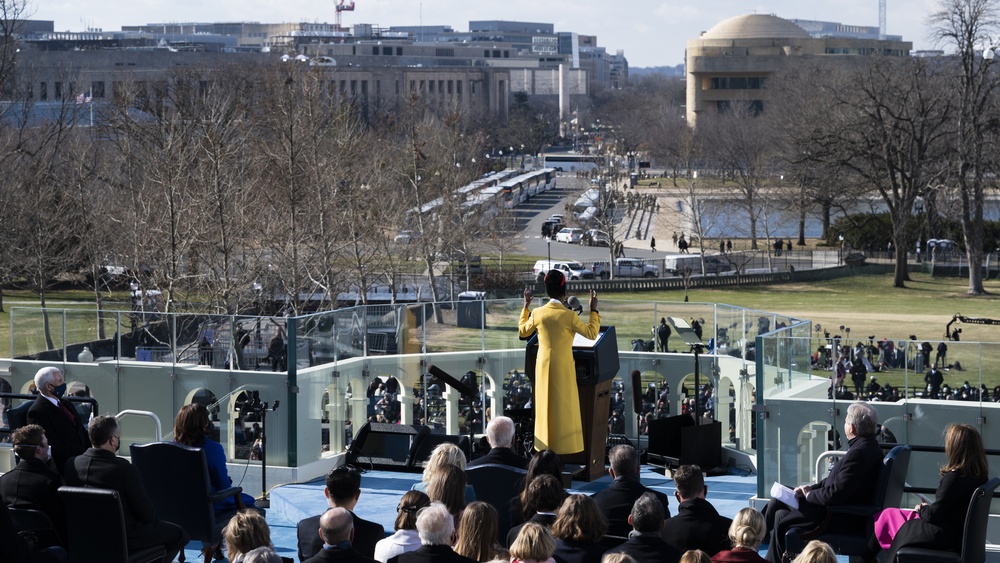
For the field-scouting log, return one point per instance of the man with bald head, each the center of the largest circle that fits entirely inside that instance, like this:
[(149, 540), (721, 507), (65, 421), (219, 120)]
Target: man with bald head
[(500, 435), (64, 427), (336, 529)]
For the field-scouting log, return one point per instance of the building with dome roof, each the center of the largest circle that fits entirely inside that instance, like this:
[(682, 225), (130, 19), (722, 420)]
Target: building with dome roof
[(733, 60)]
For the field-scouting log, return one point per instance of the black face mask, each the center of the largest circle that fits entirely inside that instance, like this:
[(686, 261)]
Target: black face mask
[(119, 444)]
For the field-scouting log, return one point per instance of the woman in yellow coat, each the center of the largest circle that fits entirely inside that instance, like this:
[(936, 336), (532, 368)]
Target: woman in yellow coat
[(556, 399)]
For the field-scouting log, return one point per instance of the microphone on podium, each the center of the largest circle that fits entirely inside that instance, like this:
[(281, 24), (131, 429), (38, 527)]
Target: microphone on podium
[(574, 304), (636, 391)]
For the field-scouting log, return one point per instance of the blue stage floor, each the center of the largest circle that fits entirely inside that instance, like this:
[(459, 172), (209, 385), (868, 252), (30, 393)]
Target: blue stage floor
[(381, 491)]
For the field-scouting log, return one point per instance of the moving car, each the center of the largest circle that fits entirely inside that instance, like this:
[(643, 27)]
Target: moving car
[(571, 235)]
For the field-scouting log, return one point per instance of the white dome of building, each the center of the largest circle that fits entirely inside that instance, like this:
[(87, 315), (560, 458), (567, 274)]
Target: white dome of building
[(755, 26)]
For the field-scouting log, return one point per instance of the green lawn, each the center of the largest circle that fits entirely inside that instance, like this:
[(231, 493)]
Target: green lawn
[(869, 305)]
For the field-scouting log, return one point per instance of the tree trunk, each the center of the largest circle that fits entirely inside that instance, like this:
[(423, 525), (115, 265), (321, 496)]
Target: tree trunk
[(900, 274)]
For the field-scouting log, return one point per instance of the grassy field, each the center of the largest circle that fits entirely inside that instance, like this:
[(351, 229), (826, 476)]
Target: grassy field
[(869, 305)]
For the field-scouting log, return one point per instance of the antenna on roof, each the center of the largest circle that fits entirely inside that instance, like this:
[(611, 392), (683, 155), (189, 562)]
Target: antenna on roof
[(881, 20)]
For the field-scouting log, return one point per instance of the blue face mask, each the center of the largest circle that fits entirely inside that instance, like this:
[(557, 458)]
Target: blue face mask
[(60, 390)]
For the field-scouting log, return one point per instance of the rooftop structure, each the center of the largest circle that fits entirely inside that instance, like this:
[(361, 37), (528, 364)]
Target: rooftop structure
[(733, 60)]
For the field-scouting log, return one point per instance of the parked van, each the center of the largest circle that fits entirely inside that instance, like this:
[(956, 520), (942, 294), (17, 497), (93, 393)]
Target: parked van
[(690, 264), (572, 270)]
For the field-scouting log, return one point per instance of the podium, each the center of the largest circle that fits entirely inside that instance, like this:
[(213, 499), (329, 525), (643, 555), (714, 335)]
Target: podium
[(596, 365)]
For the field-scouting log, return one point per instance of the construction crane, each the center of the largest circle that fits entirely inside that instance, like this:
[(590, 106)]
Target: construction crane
[(343, 6)]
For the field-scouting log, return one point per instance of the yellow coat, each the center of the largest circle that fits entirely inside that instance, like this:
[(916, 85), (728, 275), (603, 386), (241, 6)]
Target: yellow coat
[(557, 402)]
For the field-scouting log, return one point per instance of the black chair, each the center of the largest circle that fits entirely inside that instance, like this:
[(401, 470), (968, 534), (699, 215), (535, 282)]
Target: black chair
[(176, 479), (96, 528), (973, 540), (848, 529), (38, 523), (497, 484)]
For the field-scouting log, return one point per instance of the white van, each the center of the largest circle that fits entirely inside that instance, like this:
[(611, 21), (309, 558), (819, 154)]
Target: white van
[(690, 264), (572, 270)]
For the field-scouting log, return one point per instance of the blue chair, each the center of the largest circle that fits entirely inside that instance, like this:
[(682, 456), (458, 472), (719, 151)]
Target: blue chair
[(96, 528), (848, 529), (973, 540), (497, 484)]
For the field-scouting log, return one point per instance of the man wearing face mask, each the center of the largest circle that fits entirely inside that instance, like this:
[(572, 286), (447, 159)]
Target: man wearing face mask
[(64, 427), (100, 468), (32, 484)]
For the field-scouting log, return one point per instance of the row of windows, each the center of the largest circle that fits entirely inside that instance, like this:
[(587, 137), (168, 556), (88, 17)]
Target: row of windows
[(738, 82), (867, 52), (755, 107), (386, 51), (65, 90)]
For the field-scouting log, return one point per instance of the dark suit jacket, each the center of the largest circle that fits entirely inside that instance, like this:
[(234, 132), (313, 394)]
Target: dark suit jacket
[(366, 535), (543, 519), (31, 484), (501, 456), (569, 551), (431, 554), (942, 522), (67, 438), (852, 480), (616, 502), (649, 549), (339, 556), (102, 469), (697, 525)]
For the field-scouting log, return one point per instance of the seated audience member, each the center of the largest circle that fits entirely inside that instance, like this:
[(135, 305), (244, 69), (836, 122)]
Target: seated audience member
[(32, 484), (436, 528), (851, 481), (745, 533), (262, 555), (578, 530), (617, 500), (545, 494), (245, 532), (65, 429), (406, 537), (336, 528), (343, 489), (100, 468), (545, 462), (697, 525), (448, 487), (191, 428), (817, 551), (442, 455), (940, 524), (477, 533), (500, 435), (533, 545), (644, 542), (617, 558), (695, 556)]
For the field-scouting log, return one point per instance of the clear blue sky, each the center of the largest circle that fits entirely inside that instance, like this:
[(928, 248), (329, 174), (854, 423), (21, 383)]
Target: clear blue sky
[(651, 32)]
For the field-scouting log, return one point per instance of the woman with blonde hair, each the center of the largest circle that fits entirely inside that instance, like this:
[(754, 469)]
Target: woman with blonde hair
[(245, 532), (617, 558), (448, 487), (444, 454), (578, 529), (477, 533), (940, 524), (533, 545), (695, 556), (746, 533), (817, 551), (406, 537)]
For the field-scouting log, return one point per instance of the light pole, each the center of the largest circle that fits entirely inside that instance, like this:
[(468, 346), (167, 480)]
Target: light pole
[(548, 243)]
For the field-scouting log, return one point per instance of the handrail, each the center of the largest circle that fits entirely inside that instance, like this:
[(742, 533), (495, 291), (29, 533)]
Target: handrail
[(156, 419), (823, 457)]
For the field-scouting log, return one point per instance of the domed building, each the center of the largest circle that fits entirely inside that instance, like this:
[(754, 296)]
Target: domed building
[(733, 60)]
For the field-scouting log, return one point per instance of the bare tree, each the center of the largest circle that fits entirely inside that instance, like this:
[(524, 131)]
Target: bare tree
[(882, 123), (965, 25)]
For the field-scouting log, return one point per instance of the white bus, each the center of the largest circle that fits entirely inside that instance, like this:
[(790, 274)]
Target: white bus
[(569, 162)]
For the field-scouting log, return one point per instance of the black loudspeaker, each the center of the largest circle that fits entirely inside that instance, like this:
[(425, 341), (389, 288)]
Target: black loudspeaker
[(676, 440), (636, 391), (423, 450), (386, 446)]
